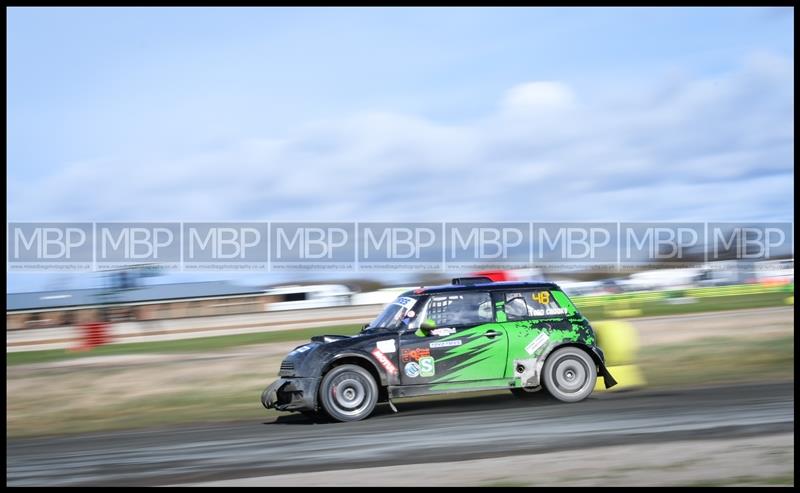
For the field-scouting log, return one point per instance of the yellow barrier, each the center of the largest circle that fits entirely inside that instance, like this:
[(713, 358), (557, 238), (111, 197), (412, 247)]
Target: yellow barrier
[(620, 343)]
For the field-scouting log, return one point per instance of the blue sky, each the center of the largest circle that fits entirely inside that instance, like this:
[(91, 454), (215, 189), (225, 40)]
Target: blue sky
[(390, 114)]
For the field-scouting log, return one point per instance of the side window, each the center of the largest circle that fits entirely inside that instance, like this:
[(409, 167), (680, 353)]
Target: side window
[(460, 309), (516, 307), (523, 305)]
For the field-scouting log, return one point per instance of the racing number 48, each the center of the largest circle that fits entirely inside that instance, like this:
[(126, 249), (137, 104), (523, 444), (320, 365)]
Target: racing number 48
[(543, 297)]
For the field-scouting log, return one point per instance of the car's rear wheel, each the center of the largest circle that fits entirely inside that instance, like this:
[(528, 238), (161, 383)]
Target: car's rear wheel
[(569, 374), (348, 393)]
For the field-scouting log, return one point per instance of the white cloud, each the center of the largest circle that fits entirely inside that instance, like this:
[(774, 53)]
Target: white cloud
[(537, 96), (716, 148)]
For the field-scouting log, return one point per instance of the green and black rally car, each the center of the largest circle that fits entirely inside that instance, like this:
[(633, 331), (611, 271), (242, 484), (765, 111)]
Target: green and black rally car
[(472, 335)]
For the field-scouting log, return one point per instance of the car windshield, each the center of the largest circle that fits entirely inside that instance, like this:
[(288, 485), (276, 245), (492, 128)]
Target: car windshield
[(393, 315)]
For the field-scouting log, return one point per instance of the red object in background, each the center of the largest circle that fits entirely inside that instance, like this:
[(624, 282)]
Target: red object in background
[(94, 334), (496, 275), (775, 281)]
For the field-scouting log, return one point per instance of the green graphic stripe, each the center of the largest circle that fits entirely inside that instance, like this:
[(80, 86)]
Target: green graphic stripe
[(484, 356), (476, 343), (472, 361), (481, 354)]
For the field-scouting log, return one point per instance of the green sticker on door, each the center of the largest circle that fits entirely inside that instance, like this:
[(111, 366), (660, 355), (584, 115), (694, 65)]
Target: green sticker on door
[(426, 367)]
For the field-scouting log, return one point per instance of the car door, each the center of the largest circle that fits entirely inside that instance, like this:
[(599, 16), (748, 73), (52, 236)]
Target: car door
[(467, 345), (532, 319)]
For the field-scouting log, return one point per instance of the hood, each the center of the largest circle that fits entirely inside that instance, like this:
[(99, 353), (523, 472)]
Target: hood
[(328, 338)]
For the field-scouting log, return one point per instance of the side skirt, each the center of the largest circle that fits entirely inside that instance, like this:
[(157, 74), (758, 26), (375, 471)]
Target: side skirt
[(398, 391)]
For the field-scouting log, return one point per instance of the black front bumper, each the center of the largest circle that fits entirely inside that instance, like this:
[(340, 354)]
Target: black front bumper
[(291, 394)]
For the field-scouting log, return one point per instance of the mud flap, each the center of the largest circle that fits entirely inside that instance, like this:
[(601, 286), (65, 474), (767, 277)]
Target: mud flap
[(608, 380)]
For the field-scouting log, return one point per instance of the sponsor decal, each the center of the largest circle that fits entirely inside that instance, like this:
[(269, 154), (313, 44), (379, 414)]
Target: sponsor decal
[(387, 346), (548, 311), (413, 354), (426, 367), (445, 331), (535, 344), (301, 349), (405, 302), (412, 369), (384, 361), (456, 342)]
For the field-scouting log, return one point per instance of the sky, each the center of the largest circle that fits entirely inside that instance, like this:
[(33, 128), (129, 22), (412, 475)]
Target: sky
[(439, 114)]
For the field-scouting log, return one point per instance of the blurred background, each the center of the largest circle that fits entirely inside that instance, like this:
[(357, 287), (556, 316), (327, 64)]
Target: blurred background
[(384, 114)]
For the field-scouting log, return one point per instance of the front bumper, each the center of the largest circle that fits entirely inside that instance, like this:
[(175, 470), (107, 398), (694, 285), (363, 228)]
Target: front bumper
[(291, 394)]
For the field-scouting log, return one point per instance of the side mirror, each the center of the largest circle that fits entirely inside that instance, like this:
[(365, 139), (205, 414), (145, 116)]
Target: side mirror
[(427, 326)]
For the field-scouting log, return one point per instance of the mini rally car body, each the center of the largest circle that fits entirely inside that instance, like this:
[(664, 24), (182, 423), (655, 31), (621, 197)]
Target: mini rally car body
[(472, 335)]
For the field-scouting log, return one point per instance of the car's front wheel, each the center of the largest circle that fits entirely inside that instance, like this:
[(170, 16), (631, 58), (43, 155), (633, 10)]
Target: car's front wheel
[(569, 374), (348, 393)]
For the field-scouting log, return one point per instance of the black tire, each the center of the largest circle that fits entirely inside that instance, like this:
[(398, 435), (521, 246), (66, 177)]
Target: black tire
[(348, 393), (569, 374), (531, 393)]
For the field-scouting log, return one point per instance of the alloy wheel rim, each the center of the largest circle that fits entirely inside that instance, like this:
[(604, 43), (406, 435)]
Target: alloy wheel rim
[(349, 394), (571, 375)]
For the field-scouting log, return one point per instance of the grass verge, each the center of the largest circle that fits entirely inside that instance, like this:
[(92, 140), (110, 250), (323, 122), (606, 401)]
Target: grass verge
[(718, 361)]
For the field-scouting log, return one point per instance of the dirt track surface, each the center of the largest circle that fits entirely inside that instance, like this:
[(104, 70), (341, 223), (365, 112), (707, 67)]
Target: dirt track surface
[(423, 432), (769, 460)]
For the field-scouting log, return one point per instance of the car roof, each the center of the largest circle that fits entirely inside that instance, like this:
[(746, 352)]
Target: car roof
[(483, 286)]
